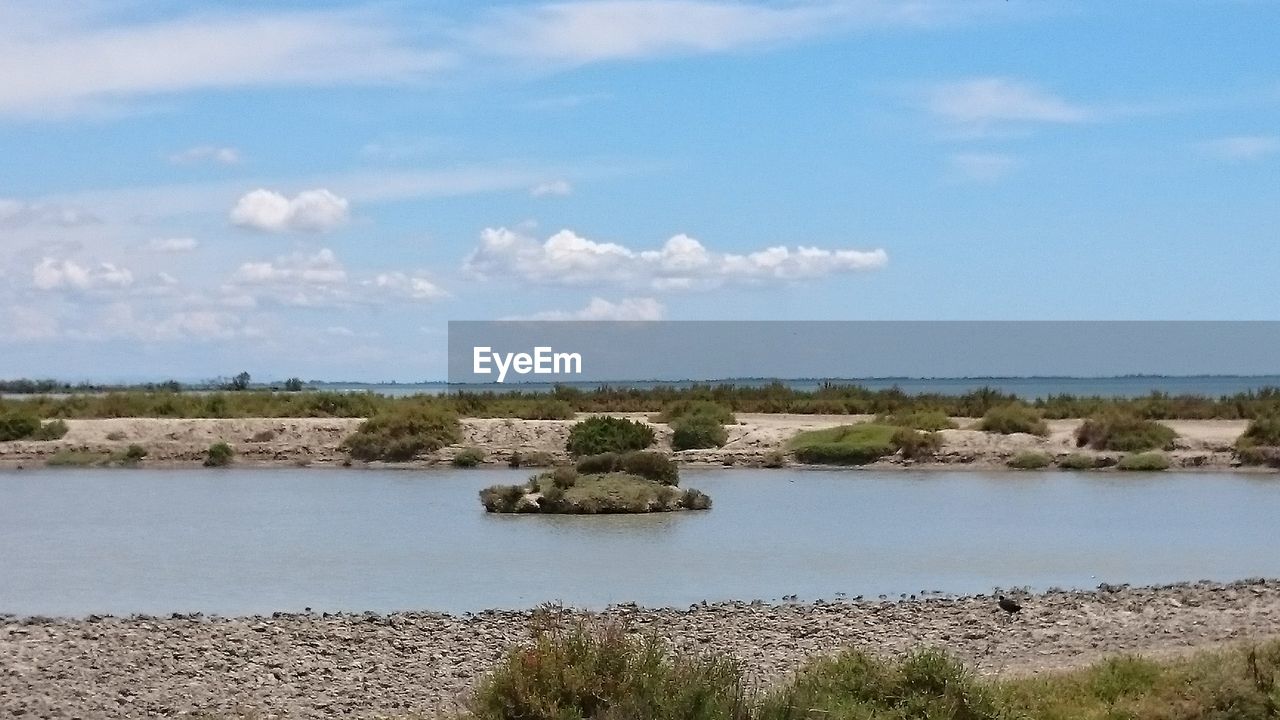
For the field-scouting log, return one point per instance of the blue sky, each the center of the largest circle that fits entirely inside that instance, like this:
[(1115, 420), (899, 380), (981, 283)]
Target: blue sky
[(317, 188)]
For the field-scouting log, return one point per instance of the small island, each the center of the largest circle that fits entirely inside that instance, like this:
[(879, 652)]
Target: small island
[(607, 483)]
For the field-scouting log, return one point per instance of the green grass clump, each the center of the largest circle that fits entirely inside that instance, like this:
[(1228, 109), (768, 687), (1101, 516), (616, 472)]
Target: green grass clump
[(608, 434), (1014, 418), (79, 458), (530, 458), (687, 408), (574, 670), (468, 457), (18, 425), (52, 430), (1144, 462), (774, 459), (219, 455), (1030, 460), (916, 444), (845, 445), (1262, 431), (402, 435), (649, 465), (1078, 461), (1124, 432), (697, 431), (927, 420)]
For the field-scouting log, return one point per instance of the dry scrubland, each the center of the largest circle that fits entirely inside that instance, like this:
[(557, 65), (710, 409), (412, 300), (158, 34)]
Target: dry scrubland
[(1206, 444), (358, 666)]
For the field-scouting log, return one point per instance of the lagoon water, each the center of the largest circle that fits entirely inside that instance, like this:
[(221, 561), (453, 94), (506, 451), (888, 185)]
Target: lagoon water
[(243, 541)]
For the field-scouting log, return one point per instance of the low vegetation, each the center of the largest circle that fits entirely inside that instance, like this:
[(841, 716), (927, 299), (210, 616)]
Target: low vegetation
[(635, 482), (608, 434), (131, 455), (916, 444), (1079, 461), (927, 420), (22, 425), (575, 669), (218, 455), (170, 400), (403, 434), (1030, 460), (845, 445), (1124, 432), (1144, 462), (697, 432), (1014, 418), (686, 408), (468, 457), (530, 459)]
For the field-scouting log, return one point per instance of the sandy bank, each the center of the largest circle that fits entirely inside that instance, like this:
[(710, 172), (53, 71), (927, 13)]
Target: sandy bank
[(307, 665), (314, 441)]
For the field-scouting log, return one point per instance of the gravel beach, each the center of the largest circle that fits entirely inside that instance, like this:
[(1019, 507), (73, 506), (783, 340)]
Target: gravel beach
[(364, 666)]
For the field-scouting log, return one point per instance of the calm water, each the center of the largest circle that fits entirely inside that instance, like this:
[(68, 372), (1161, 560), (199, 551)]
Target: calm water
[(244, 541)]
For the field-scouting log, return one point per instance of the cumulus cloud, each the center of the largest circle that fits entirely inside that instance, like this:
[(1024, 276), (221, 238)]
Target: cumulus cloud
[(206, 154), (637, 308), (566, 258), (557, 188), (53, 274), (1243, 147), (309, 211), (173, 245), (18, 213), (412, 287), (982, 102)]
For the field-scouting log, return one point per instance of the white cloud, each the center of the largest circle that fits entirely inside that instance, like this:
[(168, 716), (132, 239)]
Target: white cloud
[(406, 286), (559, 188), (681, 262), (206, 153), (319, 269), (57, 61), (982, 167), (52, 274), (18, 213), (173, 245), (639, 308), (1243, 147), (309, 211), (983, 102), (572, 33)]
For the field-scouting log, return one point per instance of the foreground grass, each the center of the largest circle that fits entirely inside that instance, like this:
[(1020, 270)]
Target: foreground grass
[(575, 671)]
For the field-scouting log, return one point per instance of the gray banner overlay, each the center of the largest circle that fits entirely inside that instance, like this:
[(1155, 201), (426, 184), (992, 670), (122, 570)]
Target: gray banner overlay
[(720, 350)]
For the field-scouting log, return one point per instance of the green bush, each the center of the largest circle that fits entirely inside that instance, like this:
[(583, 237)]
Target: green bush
[(1014, 418), (1030, 460), (693, 432), (544, 409), (1124, 432), (533, 459), (52, 430), (601, 463), (845, 445), (652, 466), (689, 408), (134, 454), (468, 457), (775, 459), (1078, 461), (218, 455), (564, 478), (693, 499), (1144, 462), (17, 425), (1262, 431), (575, 670), (1258, 455), (608, 434), (927, 420), (915, 444), (403, 434)]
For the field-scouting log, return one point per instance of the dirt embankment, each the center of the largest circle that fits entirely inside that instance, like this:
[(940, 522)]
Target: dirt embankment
[(359, 666), (315, 441)]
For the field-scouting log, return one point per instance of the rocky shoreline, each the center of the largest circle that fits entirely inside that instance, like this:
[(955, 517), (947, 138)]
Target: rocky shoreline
[(754, 442), (309, 665)]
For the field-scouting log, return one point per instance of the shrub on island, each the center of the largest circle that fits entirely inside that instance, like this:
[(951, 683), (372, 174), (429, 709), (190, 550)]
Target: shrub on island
[(1144, 462), (694, 432), (649, 465), (915, 444), (845, 445), (927, 420), (605, 434), (530, 458), (1014, 418), (20, 425), (1262, 431), (1030, 460), (636, 482), (696, 408), (1125, 432), (1079, 461), (403, 434)]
